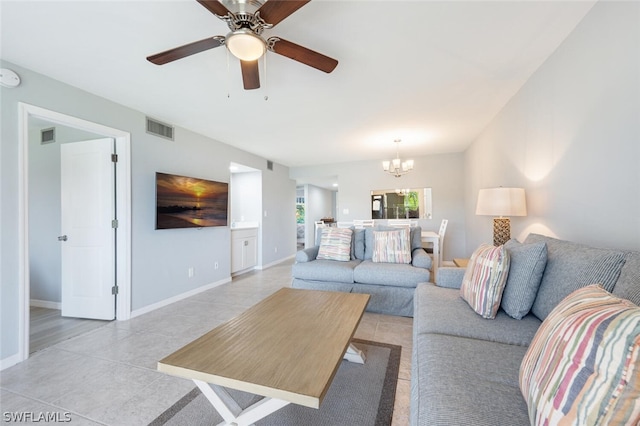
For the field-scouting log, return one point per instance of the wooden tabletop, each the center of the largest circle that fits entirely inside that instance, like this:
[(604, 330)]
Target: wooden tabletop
[(462, 263), (289, 346)]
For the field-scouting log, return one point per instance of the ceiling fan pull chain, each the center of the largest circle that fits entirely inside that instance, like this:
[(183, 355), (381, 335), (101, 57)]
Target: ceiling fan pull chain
[(266, 80), (228, 77)]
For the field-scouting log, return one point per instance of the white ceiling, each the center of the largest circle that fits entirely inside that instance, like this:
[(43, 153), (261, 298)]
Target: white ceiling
[(433, 73)]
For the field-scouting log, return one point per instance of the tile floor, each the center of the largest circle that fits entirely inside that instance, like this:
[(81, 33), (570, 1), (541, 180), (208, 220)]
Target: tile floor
[(107, 376)]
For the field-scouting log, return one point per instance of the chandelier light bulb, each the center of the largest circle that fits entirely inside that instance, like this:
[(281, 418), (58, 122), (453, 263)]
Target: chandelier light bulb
[(396, 166)]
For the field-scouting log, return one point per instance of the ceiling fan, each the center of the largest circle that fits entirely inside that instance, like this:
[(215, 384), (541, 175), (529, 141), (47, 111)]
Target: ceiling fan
[(247, 19)]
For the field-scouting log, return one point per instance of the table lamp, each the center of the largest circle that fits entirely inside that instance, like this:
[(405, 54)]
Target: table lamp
[(502, 202)]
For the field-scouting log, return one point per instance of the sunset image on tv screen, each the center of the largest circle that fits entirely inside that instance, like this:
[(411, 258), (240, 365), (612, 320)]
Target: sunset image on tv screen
[(185, 202)]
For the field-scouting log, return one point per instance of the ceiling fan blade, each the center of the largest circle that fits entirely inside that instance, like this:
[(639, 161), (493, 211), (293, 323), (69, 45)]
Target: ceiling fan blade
[(215, 7), (250, 74), (186, 50), (274, 11), (302, 54)]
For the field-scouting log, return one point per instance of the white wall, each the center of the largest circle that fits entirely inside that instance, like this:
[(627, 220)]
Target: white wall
[(443, 173), (571, 138), (246, 197), (160, 258)]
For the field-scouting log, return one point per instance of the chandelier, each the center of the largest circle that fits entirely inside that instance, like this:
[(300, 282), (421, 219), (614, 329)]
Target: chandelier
[(396, 166)]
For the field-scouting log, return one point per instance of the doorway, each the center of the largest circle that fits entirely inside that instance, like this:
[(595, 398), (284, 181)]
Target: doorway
[(29, 114)]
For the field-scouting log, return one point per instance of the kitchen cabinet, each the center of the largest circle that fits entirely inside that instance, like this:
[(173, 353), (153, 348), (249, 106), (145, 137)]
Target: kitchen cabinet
[(244, 249)]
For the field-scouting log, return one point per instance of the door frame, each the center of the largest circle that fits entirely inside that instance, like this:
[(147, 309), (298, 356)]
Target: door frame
[(123, 201)]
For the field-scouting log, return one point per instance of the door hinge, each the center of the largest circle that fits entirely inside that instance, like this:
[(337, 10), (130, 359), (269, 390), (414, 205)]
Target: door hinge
[(114, 158), (114, 223), (114, 289)]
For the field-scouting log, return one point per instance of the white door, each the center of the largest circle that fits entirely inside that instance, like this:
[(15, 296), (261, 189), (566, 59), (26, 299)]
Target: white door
[(87, 234)]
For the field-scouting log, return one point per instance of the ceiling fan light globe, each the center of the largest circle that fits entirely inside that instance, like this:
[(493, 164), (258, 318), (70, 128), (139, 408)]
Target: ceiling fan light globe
[(245, 45)]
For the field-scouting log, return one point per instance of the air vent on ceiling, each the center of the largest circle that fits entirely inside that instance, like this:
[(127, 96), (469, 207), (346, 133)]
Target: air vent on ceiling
[(269, 165), (48, 135), (158, 128)]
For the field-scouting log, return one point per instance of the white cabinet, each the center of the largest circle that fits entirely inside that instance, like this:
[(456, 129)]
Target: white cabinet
[(244, 249)]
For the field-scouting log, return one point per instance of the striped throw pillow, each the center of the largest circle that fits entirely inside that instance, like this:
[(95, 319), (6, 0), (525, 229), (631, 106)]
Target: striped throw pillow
[(392, 246), (484, 279), (583, 365), (335, 244)]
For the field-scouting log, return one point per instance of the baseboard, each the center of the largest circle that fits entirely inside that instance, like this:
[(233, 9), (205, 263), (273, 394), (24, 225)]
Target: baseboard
[(277, 262), (45, 304), (9, 361), (177, 298)]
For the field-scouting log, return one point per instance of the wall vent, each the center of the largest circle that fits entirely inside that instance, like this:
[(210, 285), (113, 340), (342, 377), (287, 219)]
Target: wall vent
[(269, 165), (158, 128), (47, 135)]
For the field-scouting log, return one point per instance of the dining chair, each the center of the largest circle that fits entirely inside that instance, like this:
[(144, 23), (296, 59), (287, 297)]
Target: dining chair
[(363, 223), (441, 232)]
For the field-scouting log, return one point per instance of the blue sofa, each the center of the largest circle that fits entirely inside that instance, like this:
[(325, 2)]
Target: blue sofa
[(465, 368), (391, 285)]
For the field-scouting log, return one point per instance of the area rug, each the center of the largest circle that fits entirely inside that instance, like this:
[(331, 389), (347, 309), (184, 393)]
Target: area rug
[(359, 395)]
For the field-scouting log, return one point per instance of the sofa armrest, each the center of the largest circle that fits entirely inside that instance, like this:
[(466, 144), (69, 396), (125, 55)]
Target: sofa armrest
[(450, 277), (420, 259), (307, 255)]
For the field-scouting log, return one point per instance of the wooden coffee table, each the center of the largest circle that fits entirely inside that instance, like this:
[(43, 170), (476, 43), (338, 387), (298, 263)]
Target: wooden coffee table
[(286, 348)]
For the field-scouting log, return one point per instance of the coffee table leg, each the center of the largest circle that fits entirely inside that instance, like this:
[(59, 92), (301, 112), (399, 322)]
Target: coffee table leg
[(354, 354), (231, 411)]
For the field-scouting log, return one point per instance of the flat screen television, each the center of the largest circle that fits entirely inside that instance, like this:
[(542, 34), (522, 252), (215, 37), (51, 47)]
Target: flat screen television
[(187, 202)]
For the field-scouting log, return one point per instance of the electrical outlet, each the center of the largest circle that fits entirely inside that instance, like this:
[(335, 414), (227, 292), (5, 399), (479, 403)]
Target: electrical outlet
[(215, 265), (275, 249), (190, 272)]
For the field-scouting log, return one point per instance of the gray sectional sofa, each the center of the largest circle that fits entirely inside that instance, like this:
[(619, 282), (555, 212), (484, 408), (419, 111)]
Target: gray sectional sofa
[(465, 368), (391, 285)]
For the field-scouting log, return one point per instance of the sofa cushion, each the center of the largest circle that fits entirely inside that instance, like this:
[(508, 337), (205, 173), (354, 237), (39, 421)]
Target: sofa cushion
[(325, 270), (583, 365), (358, 244), (571, 266), (416, 237), (391, 274), (441, 310), (392, 246), (460, 381), (335, 244), (526, 265), (484, 279), (628, 284)]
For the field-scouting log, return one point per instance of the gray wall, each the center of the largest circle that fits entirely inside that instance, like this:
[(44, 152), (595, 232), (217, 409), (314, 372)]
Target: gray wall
[(160, 259), (571, 138), (443, 173), (318, 204), (44, 209)]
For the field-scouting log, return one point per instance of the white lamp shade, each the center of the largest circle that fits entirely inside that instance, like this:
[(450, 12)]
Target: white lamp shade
[(245, 45), (501, 202), (385, 165)]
